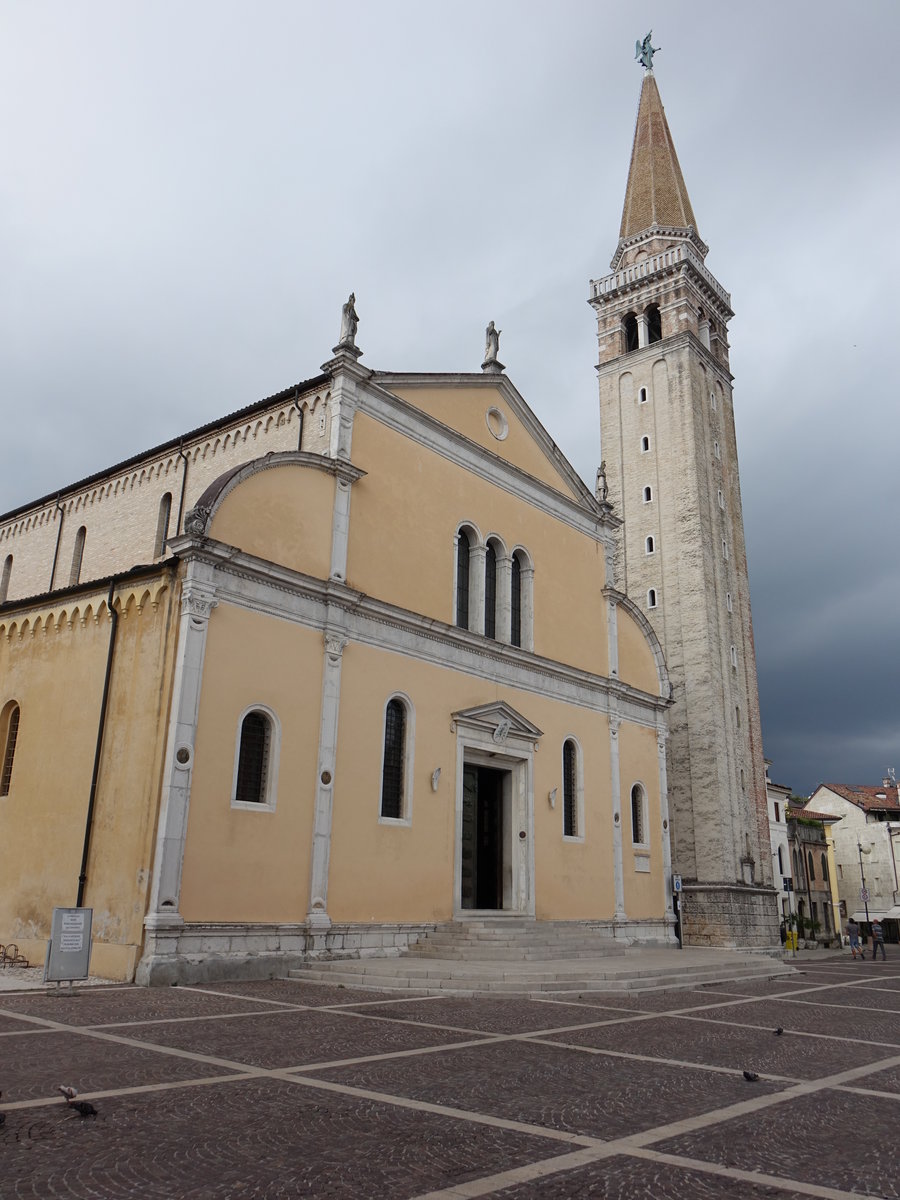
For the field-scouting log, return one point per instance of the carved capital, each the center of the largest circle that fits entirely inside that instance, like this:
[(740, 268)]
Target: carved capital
[(196, 521), (334, 646), (614, 723), (197, 604)]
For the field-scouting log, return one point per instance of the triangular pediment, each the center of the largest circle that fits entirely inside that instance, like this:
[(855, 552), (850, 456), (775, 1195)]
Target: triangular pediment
[(499, 720)]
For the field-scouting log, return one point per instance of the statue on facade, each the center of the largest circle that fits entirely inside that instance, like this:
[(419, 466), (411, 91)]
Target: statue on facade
[(349, 323), (491, 343), (601, 490), (644, 52)]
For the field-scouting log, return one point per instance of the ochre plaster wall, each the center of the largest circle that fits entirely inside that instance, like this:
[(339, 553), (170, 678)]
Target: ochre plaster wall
[(56, 676), (639, 763), (637, 665), (283, 515), (382, 872), (403, 520), (465, 410), (244, 865)]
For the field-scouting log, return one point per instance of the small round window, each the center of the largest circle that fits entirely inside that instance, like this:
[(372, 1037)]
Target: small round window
[(497, 424)]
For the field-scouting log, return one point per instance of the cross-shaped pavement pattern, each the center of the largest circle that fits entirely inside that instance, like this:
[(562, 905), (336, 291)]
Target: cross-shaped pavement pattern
[(282, 1088)]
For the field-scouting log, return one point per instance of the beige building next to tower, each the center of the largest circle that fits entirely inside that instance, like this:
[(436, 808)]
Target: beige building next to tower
[(371, 674)]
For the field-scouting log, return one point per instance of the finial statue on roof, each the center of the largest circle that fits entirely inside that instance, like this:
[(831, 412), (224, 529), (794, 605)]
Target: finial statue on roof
[(349, 323), (492, 364), (601, 490), (644, 52)]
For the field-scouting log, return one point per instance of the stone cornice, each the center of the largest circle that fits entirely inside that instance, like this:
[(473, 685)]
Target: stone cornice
[(677, 341), (261, 586), (584, 514)]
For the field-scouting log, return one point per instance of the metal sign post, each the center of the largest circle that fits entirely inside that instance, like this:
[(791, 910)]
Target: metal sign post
[(69, 948)]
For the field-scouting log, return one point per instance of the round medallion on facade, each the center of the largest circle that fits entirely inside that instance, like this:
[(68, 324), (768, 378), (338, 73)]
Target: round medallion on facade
[(497, 424)]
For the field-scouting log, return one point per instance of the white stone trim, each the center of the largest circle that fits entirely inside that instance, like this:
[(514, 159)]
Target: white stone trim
[(496, 736), (320, 852), (197, 602), (273, 757), (665, 831), (616, 798), (409, 751), (583, 514)]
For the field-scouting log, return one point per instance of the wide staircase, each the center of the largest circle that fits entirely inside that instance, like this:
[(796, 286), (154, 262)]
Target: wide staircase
[(521, 956)]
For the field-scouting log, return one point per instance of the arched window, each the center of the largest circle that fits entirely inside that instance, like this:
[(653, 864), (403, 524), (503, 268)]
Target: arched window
[(651, 598), (396, 763), (642, 396), (797, 877), (650, 546), (712, 401), (737, 720), (645, 444), (780, 858), (721, 499), (724, 549), (728, 602), (9, 732), (716, 451), (638, 816), (573, 791), (515, 602), (654, 324), (522, 600), (630, 332), (648, 494), (490, 591), (810, 867), (4, 578), (162, 525), (77, 555), (256, 760), (463, 549), (824, 865), (734, 657)]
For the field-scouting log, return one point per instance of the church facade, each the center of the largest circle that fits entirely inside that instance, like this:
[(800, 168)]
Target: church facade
[(671, 467), (345, 697)]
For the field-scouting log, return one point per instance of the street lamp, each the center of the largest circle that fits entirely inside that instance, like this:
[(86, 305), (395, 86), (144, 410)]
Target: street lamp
[(864, 892)]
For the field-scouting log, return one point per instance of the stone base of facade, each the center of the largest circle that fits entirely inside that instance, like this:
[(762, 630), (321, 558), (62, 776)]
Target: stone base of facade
[(183, 953), (733, 915)]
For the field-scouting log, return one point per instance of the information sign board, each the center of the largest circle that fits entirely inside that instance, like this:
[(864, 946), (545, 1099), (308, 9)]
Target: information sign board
[(69, 948)]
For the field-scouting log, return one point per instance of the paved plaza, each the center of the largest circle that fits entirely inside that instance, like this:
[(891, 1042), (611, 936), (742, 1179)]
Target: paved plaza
[(284, 1088)]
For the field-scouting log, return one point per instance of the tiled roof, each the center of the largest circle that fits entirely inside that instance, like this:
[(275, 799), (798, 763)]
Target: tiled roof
[(806, 812), (655, 194), (869, 799)]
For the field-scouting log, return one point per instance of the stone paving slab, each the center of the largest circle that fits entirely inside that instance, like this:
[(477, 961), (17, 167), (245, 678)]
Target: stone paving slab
[(288, 1038), (552, 1087), (495, 1016), (99, 1006), (812, 1018), (296, 991), (35, 1066), (624, 1178), (716, 1044), (832, 1138), (515, 1117), (264, 1140)]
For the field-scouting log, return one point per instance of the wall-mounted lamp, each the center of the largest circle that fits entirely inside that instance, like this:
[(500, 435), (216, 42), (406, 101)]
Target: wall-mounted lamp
[(552, 797), (435, 778)]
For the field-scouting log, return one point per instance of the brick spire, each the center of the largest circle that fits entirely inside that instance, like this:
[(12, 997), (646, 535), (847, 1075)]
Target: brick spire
[(655, 194)]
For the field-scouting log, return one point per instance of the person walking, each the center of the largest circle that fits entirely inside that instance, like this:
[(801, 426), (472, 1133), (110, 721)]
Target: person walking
[(877, 940), (853, 935)]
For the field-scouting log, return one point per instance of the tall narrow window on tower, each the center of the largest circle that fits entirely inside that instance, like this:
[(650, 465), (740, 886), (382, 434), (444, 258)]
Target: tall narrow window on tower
[(654, 324), (630, 332)]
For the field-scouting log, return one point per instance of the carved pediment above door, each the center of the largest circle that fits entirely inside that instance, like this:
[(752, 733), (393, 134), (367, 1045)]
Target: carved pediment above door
[(499, 721)]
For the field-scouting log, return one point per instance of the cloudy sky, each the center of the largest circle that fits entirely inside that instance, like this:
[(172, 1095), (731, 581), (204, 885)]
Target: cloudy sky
[(188, 191)]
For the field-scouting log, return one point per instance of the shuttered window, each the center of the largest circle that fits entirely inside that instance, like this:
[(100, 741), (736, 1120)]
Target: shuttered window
[(462, 579), (490, 592), (9, 750), (253, 761), (394, 760), (570, 785)]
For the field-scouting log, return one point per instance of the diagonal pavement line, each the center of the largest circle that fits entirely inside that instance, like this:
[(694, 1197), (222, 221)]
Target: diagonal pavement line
[(827, 1037), (387, 1055), (443, 1110), (489, 1184), (759, 1178), (864, 1091), (649, 1058), (137, 1090), (848, 1007)]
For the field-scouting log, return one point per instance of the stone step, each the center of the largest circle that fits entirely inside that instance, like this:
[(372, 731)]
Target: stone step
[(572, 985)]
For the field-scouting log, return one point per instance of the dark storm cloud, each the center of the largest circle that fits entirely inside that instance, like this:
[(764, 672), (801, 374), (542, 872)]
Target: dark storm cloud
[(189, 192)]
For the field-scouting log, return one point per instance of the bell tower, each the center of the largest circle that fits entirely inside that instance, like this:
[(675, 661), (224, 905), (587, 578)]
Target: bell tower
[(668, 441)]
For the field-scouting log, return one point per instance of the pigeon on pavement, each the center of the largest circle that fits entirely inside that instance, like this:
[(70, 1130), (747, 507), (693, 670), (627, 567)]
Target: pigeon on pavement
[(751, 1076)]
